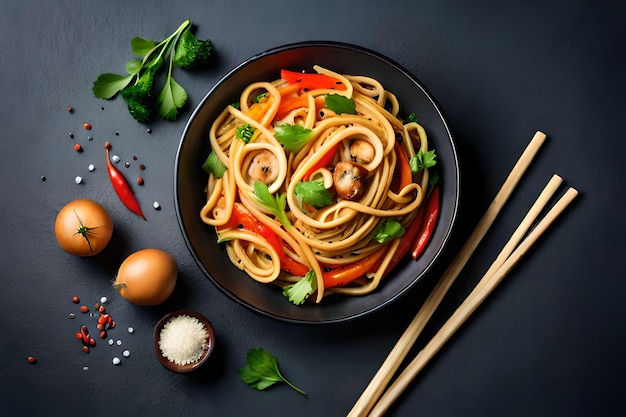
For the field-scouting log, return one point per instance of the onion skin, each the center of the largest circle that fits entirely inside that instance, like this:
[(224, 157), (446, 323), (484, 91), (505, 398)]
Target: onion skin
[(147, 277)]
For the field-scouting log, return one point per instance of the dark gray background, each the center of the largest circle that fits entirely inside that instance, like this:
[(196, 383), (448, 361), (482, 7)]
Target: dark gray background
[(547, 342)]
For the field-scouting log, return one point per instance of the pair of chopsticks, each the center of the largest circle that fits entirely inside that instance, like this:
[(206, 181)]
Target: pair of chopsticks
[(374, 400)]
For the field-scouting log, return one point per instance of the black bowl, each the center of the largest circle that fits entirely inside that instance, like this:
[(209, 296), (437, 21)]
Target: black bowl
[(190, 179)]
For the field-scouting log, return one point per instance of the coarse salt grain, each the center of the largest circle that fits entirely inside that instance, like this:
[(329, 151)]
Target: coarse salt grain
[(183, 339)]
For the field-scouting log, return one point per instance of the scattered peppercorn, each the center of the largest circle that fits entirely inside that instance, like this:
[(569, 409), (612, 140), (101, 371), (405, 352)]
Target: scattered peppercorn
[(76, 300), (89, 138), (31, 359), (84, 309), (149, 130), (142, 167), (71, 135), (77, 147), (127, 164), (43, 178), (69, 109), (78, 180), (87, 126), (140, 181), (156, 205), (117, 133)]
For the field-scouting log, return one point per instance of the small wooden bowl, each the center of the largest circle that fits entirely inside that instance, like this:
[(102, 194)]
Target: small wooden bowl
[(190, 366)]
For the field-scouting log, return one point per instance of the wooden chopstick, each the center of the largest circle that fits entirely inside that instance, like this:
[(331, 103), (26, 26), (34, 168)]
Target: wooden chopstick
[(381, 379), (489, 281)]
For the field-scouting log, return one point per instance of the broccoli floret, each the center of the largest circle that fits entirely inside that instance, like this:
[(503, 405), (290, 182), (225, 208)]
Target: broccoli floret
[(190, 52), (139, 96)]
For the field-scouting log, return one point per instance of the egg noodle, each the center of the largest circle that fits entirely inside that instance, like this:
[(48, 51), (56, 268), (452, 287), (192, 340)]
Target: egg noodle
[(328, 239)]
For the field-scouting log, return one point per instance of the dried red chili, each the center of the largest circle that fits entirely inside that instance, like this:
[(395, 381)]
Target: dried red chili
[(121, 186)]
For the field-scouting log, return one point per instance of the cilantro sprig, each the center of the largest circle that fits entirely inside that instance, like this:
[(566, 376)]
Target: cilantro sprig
[(314, 193), (275, 204), (262, 371), (423, 160), (340, 104), (298, 292), (292, 137), (389, 230), (180, 49)]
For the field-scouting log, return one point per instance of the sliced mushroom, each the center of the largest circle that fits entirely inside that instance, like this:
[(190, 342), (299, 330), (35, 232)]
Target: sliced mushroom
[(263, 167), (362, 151), (349, 180)]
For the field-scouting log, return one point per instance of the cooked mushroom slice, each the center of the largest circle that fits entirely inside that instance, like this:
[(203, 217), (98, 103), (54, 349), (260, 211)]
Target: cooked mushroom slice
[(362, 151), (264, 167), (349, 179)]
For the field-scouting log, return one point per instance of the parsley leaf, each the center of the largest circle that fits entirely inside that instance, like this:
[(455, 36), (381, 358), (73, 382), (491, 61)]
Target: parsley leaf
[(245, 132), (314, 193), (292, 137), (171, 98), (298, 293), (213, 165), (108, 85), (262, 371), (340, 104), (389, 230), (422, 161), (274, 204)]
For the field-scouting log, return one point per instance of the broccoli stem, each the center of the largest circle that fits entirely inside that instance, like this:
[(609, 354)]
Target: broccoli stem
[(166, 44)]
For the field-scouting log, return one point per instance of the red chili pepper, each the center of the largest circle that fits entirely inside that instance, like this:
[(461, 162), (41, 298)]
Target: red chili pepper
[(324, 161), (345, 274), (312, 81), (428, 225), (242, 217), (121, 186)]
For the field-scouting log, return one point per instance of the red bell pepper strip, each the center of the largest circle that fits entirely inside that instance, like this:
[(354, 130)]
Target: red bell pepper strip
[(241, 217), (428, 225), (345, 274), (324, 161), (309, 81), (402, 175), (121, 186)]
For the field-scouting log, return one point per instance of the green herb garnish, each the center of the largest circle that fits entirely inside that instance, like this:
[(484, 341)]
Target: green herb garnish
[(180, 49), (275, 204), (298, 292), (423, 160), (262, 371), (340, 104), (292, 137), (245, 132), (314, 193), (389, 230)]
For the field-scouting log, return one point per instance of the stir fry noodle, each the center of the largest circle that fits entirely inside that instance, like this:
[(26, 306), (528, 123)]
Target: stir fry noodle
[(314, 180)]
